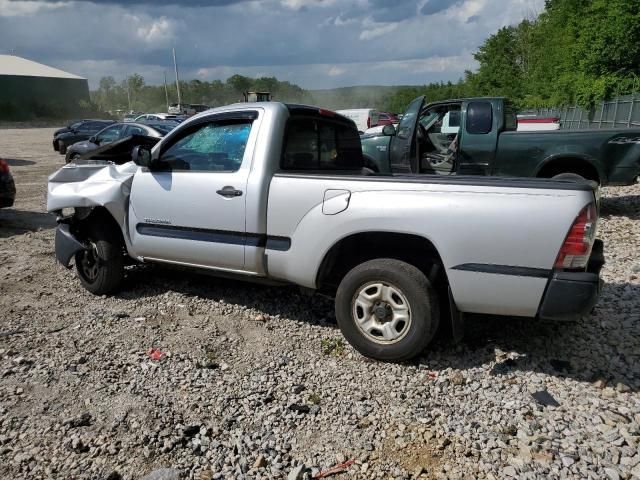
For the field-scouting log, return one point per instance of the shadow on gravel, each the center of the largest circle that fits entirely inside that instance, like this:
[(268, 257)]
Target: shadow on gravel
[(16, 222), (603, 346), (285, 301), (623, 206), (15, 162)]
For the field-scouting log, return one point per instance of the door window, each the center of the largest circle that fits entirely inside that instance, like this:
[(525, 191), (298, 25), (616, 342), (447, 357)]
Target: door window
[(479, 118), (407, 124), (211, 147), (134, 130), (109, 135)]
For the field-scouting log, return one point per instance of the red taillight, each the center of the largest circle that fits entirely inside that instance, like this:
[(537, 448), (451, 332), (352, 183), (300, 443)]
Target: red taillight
[(4, 166), (368, 122), (575, 251), (326, 113)]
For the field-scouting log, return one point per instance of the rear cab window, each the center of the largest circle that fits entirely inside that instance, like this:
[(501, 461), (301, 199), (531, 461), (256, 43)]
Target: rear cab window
[(479, 118), (321, 142)]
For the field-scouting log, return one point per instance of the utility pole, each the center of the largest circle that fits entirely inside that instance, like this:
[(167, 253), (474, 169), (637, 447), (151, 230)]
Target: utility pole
[(126, 80), (166, 91), (175, 66)]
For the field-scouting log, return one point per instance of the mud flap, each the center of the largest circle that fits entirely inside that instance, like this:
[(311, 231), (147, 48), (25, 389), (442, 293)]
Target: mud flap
[(457, 320), (66, 245)]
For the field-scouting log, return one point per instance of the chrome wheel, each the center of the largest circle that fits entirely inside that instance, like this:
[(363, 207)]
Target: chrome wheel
[(381, 312)]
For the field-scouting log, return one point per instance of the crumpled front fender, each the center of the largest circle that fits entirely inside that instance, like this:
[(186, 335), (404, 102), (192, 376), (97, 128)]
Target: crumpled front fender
[(67, 245), (92, 185)]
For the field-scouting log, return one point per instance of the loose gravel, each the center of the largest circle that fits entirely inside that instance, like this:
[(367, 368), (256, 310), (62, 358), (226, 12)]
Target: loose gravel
[(188, 376)]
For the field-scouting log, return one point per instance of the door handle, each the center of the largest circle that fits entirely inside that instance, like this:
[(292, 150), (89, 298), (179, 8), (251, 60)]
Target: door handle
[(229, 192)]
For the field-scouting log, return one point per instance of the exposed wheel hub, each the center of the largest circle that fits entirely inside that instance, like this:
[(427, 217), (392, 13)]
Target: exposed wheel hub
[(381, 312), (90, 264)]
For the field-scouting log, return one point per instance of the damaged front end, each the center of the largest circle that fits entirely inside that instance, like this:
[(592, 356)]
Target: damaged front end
[(87, 188)]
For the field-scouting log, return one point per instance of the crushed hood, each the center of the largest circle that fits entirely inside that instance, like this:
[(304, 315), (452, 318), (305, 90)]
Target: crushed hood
[(91, 184)]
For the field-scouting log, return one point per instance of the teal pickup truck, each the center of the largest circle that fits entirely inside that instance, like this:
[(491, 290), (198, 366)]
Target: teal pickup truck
[(477, 136)]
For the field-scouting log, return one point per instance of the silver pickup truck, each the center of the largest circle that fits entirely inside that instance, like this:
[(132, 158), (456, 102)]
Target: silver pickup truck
[(279, 192)]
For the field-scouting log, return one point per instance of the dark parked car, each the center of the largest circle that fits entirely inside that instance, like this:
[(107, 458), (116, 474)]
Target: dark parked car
[(116, 132), (73, 124), (76, 132), (7, 186), (154, 117)]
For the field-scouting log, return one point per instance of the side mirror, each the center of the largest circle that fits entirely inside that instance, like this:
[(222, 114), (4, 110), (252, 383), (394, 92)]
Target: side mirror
[(389, 130), (141, 156), (93, 140)]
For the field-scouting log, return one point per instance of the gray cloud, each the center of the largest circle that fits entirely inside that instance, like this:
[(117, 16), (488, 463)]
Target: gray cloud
[(385, 11), (436, 6), (182, 3), (270, 37)]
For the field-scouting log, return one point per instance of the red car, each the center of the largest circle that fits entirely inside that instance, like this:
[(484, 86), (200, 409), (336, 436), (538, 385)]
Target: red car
[(7, 186), (385, 118)]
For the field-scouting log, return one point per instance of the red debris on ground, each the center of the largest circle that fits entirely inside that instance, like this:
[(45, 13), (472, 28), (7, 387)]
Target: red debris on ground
[(341, 467), (155, 354)]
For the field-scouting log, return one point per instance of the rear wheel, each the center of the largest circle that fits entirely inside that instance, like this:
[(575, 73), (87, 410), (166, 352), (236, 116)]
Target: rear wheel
[(387, 309), (101, 267), (574, 177)]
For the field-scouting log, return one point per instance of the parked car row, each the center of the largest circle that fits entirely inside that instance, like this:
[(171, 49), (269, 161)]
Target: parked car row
[(76, 132), (114, 133), (82, 137)]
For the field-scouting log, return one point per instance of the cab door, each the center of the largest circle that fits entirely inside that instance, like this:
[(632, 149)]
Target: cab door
[(403, 155), (190, 207), (478, 138)]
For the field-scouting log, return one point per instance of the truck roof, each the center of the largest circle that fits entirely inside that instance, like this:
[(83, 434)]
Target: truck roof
[(275, 107)]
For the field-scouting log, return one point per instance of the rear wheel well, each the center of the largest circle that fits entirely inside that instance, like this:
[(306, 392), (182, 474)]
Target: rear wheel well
[(361, 247), (578, 166)]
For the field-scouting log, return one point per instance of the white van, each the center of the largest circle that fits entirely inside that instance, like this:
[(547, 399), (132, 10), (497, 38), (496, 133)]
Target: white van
[(364, 117), (181, 109)]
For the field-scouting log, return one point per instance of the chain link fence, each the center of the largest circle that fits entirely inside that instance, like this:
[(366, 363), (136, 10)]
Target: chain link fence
[(617, 113)]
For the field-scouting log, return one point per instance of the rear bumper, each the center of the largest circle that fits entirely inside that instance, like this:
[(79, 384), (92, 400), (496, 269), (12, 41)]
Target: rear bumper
[(571, 295)]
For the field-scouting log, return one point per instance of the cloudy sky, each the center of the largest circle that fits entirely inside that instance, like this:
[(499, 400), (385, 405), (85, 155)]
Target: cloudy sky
[(314, 43)]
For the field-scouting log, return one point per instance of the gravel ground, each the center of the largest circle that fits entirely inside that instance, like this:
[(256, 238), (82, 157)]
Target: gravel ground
[(256, 382)]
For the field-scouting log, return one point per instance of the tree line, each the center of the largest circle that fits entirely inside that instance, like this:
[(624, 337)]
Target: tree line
[(575, 52), (134, 94)]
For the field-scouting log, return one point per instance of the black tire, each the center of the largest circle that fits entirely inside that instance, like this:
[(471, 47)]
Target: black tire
[(101, 269), (420, 296), (62, 148)]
